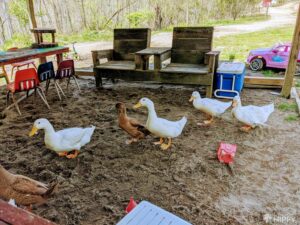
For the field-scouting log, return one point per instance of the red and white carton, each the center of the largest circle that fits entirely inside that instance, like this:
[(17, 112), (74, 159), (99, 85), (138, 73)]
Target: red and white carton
[(226, 152)]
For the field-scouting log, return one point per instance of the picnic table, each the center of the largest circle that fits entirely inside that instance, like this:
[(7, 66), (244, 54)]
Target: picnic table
[(23, 54)]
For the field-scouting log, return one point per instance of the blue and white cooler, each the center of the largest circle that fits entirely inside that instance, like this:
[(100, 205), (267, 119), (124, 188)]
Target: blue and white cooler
[(230, 79)]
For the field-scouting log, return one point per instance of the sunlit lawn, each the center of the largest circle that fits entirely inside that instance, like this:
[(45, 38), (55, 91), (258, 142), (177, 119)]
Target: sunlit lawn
[(238, 46)]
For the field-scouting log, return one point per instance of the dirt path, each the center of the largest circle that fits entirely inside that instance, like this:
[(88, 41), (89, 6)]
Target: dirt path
[(280, 16)]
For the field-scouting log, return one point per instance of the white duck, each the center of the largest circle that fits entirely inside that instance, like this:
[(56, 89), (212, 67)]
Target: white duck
[(211, 107), (251, 115), (63, 141), (161, 127)]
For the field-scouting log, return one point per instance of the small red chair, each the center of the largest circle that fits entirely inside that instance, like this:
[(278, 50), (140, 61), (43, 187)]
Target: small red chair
[(19, 64), (25, 81), (66, 70)]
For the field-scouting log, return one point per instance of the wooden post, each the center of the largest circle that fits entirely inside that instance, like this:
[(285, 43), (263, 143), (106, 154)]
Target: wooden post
[(32, 16), (31, 13), (291, 69)]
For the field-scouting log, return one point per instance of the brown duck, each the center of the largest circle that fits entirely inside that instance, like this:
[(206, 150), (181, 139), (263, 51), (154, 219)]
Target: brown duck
[(24, 190), (135, 129)]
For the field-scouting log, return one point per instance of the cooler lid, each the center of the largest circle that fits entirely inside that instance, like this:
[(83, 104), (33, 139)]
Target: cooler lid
[(231, 67)]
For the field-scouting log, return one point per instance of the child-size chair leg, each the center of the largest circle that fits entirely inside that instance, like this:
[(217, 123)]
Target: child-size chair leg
[(60, 88), (76, 82), (57, 90), (16, 104), (47, 86), (43, 97), (68, 82), (7, 98)]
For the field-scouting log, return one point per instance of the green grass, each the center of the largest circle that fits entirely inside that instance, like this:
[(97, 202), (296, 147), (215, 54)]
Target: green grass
[(18, 40), (287, 107), (291, 118), (268, 73), (25, 40), (240, 45), (85, 36), (241, 20)]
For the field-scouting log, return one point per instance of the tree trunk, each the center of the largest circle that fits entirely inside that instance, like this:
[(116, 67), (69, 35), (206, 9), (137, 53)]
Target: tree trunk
[(83, 14), (158, 17)]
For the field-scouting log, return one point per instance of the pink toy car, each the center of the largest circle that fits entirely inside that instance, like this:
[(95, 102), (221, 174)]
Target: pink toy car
[(275, 57)]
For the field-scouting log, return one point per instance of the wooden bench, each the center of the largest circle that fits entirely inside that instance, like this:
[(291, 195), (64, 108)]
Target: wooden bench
[(192, 58), (122, 57)]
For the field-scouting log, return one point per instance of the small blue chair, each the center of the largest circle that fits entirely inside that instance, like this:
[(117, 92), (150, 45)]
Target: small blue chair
[(46, 74)]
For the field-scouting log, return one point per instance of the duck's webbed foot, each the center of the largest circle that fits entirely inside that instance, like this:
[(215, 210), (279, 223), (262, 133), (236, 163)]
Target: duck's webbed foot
[(207, 122), (246, 128), (74, 155), (62, 154), (161, 140), (166, 146), (130, 141)]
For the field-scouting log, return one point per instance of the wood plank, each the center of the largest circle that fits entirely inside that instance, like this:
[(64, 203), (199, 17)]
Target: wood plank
[(138, 33), (259, 86), (191, 32), (192, 44), (153, 51), (17, 216), (189, 56), (84, 72), (124, 56), (294, 94), (129, 45), (270, 81), (165, 56), (43, 30), (185, 78), (291, 69), (118, 65), (185, 68)]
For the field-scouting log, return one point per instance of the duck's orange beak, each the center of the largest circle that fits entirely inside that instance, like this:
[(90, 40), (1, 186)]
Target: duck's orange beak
[(138, 105), (33, 131), (192, 98)]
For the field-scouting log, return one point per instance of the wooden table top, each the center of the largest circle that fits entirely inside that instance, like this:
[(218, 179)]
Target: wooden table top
[(29, 53), (153, 51)]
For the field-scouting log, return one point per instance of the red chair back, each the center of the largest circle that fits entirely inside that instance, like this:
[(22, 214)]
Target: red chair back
[(26, 79), (65, 69)]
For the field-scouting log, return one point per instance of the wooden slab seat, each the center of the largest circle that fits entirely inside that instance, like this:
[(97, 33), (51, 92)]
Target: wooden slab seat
[(126, 42), (192, 59)]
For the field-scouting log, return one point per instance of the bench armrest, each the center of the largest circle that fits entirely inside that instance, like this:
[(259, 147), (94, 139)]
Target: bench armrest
[(101, 54), (212, 60)]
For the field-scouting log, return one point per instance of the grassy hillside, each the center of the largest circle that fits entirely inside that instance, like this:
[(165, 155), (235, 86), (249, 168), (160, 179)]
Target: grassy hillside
[(238, 46)]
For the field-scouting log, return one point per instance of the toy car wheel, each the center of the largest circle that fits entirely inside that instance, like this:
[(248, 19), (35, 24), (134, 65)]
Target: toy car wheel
[(256, 64)]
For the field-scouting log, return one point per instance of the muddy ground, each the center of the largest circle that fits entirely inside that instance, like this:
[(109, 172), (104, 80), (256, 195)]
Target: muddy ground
[(187, 180)]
